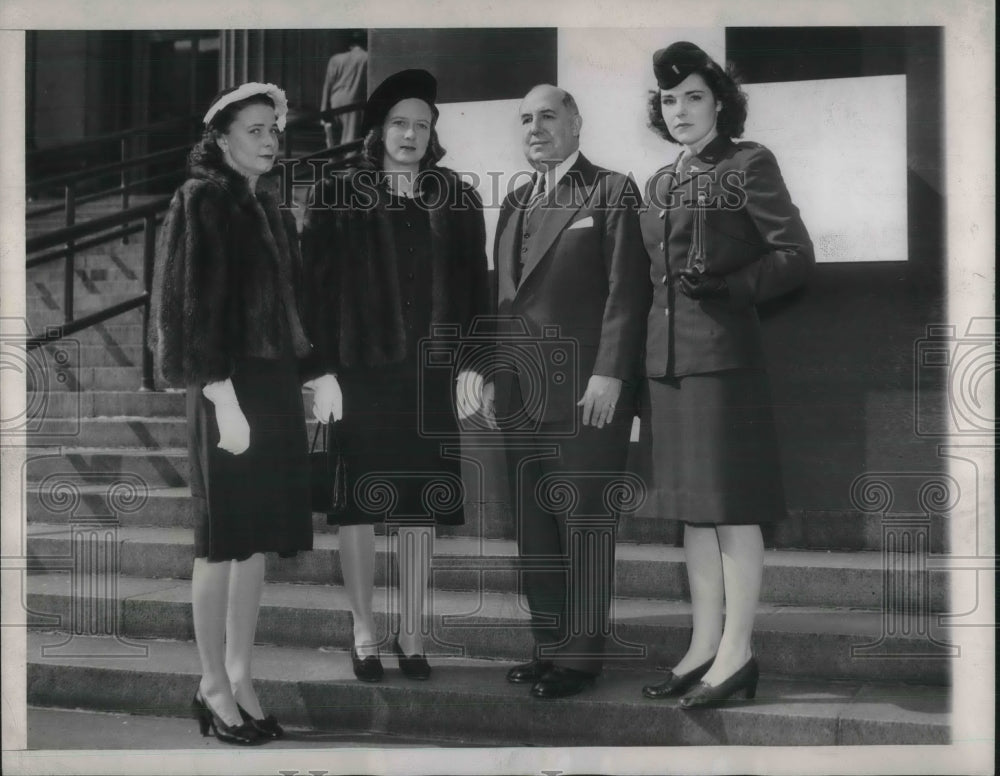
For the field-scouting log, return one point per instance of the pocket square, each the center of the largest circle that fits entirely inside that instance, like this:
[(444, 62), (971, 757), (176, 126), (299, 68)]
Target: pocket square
[(583, 223)]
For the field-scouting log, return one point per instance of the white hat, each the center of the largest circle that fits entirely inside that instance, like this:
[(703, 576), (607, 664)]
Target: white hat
[(276, 94)]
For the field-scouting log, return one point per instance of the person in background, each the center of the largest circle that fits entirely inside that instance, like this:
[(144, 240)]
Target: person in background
[(722, 235), (345, 83), (225, 325), (393, 250)]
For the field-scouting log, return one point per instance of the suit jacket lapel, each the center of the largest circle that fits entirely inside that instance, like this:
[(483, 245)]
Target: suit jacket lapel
[(572, 193), (508, 240)]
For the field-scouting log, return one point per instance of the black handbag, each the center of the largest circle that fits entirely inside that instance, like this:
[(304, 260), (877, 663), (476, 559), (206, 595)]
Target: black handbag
[(327, 472)]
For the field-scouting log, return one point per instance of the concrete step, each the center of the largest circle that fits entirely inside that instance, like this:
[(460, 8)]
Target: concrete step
[(49, 309), (55, 729), (791, 577), (136, 431), (90, 269), (167, 467), (124, 329), (112, 260), (102, 355), (88, 378), (794, 641), (469, 700), (167, 507), (74, 405)]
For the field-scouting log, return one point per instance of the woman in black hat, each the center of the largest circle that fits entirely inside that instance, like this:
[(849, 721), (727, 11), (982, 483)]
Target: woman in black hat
[(394, 250), (225, 325), (722, 235)]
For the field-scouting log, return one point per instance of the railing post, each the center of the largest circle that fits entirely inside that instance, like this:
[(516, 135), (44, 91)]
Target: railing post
[(148, 252), (69, 264), (125, 196)]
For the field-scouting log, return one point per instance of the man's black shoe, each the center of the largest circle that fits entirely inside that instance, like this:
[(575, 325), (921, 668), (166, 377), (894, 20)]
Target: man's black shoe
[(529, 673), (562, 683)]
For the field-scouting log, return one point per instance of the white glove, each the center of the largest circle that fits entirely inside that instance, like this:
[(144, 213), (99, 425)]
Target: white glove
[(327, 398), (234, 431), (468, 393)]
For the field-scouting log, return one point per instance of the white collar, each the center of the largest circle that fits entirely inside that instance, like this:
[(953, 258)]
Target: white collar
[(555, 174)]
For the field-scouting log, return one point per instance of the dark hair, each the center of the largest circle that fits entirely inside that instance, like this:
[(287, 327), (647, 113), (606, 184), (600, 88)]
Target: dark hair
[(373, 150), (206, 150), (726, 91)]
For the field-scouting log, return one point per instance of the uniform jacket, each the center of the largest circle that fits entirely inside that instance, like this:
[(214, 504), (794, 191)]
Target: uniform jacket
[(750, 233), (584, 282), (353, 300), (225, 278)]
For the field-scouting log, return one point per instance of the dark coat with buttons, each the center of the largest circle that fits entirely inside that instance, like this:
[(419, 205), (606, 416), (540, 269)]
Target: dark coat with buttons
[(353, 305), (746, 229), (583, 282)]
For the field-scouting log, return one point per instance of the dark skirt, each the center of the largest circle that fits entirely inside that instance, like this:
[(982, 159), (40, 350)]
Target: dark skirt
[(715, 450), (257, 501), (400, 442)]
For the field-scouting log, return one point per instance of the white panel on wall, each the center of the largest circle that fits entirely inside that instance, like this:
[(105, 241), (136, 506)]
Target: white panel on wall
[(483, 140), (841, 145)]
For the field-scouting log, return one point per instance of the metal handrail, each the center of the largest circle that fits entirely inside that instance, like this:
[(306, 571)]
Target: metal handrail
[(87, 228), (330, 113), (107, 169), (112, 136), (149, 215), (105, 193)]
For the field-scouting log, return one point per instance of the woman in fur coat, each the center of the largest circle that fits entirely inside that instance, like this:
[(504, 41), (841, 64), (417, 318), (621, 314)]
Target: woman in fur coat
[(393, 252), (225, 326)]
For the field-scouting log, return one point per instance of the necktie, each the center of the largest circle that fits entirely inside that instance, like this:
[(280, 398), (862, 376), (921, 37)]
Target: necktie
[(539, 195), (528, 223)]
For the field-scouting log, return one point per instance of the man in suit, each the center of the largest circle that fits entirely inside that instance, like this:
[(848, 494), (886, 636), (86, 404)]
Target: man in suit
[(346, 82), (573, 292)]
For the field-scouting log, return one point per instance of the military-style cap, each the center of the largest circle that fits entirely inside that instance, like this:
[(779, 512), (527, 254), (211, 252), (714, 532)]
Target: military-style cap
[(673, 64), (404, 85)]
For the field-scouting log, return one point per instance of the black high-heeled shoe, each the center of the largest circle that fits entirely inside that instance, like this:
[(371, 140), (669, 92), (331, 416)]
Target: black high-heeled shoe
[(267, 727), (412, 666), (244, 735), (367, 669), (705, 696), (674, 684)]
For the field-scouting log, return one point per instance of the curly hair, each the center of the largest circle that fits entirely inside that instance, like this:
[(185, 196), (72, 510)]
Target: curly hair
[(373, 150), (726, 91), (206, 151)]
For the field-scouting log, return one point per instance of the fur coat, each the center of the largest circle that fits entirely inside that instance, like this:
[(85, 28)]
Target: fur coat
[(353, 307), (226, 278)]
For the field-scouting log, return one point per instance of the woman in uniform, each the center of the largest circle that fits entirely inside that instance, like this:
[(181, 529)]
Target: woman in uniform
[(722, 235)]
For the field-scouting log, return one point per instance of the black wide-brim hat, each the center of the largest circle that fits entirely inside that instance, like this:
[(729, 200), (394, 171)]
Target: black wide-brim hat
[(404, 85), (673, 64)]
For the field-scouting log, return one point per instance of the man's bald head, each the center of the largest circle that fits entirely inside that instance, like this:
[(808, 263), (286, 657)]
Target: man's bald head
[(551, 123)]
